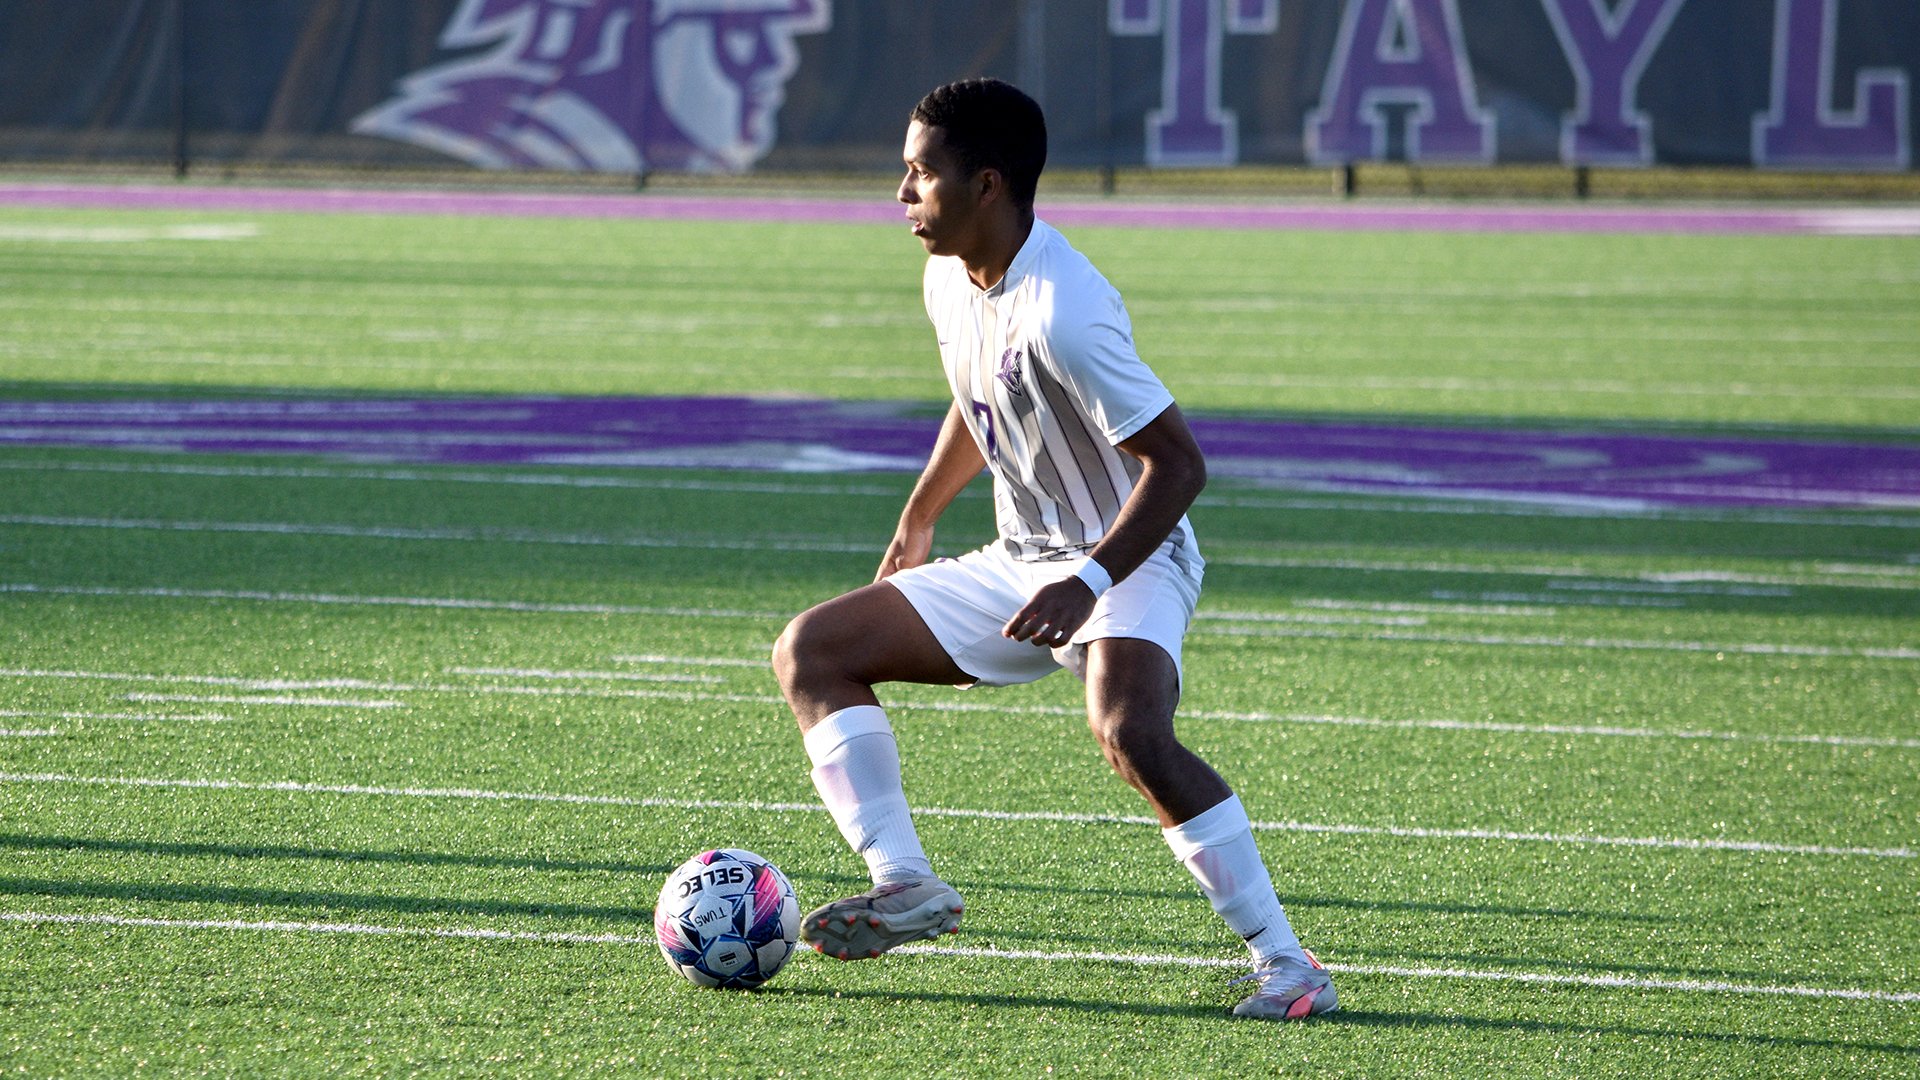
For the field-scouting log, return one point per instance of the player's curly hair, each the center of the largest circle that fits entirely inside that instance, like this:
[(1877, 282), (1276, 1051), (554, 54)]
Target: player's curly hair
[(990, 124)]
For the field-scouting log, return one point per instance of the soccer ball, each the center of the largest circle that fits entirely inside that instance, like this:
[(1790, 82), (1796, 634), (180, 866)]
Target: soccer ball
[(727, 918)]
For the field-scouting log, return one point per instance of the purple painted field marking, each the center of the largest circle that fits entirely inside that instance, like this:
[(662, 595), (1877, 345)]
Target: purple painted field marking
[(1599, 470), (882, 211)]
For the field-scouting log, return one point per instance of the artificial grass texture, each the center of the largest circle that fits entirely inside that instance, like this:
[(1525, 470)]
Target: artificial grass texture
[(1687, 329), (96, 999), (1318, 610)]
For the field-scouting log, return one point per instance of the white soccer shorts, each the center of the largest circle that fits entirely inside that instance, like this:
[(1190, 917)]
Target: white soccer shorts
[(966, 601)]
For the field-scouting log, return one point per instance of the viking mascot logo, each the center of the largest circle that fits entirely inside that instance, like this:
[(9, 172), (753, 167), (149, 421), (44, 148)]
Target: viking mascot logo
[(605, 85)]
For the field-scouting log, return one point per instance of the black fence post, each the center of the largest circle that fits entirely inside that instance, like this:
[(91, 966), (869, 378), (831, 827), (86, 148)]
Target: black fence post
[(1582, 182), (179, 13), (1103, 101)]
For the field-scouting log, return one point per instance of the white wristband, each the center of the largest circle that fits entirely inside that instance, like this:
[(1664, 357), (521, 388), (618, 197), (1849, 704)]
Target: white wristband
[(1095, 576)]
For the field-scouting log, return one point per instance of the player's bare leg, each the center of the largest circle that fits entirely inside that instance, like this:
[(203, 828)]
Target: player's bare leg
[(831, 656), (828, 660), (1133, 688), (1132, 691)]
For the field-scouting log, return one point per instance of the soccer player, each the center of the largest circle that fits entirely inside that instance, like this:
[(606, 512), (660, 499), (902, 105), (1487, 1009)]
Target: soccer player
[(1095, 569)]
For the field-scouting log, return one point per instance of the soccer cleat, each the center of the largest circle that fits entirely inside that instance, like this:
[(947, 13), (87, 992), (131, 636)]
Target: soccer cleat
[(1288, 990), (864, 926)]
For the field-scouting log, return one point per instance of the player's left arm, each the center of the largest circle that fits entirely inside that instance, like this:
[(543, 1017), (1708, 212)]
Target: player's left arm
[(1172, 472)]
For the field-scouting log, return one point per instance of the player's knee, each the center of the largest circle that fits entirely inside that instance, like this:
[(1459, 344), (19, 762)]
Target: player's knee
[(789, 652), (1124, 741), (801, 648)]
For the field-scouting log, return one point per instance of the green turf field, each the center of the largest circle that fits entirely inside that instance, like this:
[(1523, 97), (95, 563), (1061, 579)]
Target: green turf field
[(449, 775), (1796, 330)]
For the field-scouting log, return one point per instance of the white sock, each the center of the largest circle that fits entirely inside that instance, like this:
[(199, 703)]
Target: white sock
[(856, 769), (1217, 848)]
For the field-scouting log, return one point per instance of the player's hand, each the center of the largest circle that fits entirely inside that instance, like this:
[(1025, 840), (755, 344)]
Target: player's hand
[(908, 549), (1053, 615)]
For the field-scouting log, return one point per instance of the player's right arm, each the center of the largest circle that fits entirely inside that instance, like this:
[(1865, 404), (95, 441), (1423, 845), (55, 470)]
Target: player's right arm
[(956, 461)]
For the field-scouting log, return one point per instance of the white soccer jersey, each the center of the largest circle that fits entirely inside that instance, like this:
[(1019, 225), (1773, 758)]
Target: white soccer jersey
[(1044, 370)]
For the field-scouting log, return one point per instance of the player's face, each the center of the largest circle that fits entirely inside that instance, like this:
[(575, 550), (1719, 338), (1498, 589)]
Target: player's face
[(943, 204)]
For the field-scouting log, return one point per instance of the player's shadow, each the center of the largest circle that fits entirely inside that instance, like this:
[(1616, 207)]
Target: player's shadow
[(242, 896), (1076, 889), (1196, 1010), (1369, 1019), (1421, 906), (1486, 960), (1208, 1011), (273, 851), (1054, 939), (1434, 908)]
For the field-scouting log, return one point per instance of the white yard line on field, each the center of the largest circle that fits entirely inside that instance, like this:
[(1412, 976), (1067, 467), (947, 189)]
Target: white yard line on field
[(110, 234), (1889, 577), (1681, 843), (6, 733), (443, 475), (1561, 598), (1463, 506), (1471, 506), (1557, 729), (1554, 386), (1610, 982), (270, 699), (114, 715), (358, 684), (394, 601), (549, 673), (597, 692), (1752, 648), (697, 661), (1603, 730), (1841, 576), (467, 534), (1299, 617), (235, 681), (1555, 598), (33, 918), (1424, 608), (1748, 648), (243, 683), (1694, 588)]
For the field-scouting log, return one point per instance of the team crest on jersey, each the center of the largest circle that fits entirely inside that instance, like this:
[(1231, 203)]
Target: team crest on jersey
[(604, 85), (1009, 373)]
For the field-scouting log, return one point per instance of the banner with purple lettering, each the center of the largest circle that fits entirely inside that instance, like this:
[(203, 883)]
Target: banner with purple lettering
[(1803, 127), (1608, 50), (634, 86), (1404, 54)]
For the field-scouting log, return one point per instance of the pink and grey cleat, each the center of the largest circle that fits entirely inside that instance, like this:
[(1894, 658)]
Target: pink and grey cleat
[(864, 926), (1289, 990)]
